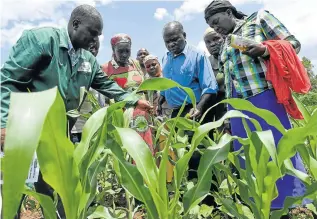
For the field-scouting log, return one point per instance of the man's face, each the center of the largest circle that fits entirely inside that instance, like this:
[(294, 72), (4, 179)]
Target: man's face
[(122, 52), (152, 67), (222, 22), (85, 33), (175, 40), (94, 48), (213, 42), (141, 55)]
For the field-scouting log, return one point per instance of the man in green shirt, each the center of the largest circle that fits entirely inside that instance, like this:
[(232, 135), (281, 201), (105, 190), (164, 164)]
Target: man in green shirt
[(47, 57)]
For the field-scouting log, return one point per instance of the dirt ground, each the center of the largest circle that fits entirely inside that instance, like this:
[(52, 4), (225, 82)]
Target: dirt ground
[(27, 214)]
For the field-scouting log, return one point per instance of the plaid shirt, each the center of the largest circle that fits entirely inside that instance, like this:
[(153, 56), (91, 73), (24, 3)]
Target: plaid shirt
[(247, 74)]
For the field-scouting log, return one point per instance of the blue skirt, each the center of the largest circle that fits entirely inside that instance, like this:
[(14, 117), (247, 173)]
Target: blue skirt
[(288, 185)]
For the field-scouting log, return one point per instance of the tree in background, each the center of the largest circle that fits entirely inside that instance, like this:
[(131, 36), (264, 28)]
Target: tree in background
[(310, 99)]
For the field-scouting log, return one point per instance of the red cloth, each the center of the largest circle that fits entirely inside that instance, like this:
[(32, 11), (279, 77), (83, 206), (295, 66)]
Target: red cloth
[(286, 73)]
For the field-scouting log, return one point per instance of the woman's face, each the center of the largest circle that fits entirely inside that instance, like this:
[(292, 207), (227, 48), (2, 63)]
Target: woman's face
[(222, 22), (213, 41), (152, 67), (122, 52)]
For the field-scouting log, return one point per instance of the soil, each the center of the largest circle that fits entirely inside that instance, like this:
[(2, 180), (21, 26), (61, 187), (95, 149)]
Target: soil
[(28, 214)]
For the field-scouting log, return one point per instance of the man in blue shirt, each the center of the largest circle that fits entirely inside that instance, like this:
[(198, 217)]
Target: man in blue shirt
[(187, 66)]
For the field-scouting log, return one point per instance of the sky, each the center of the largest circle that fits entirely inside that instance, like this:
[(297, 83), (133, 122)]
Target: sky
[(144, 21)]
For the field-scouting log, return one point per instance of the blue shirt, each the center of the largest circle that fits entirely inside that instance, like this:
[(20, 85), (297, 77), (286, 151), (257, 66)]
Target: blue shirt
[(192, 69)]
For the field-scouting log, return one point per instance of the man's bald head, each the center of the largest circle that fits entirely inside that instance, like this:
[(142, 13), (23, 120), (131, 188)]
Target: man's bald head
[(85, 12), (84, 26), (141, 55), (174, 37), (174, 26)]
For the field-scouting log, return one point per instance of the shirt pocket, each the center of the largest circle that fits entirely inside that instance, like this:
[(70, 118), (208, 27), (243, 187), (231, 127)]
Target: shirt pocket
[(186, 75)]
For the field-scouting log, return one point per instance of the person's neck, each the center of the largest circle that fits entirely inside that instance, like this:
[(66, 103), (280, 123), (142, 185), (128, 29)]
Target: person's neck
[(215, 56), (121, 64)]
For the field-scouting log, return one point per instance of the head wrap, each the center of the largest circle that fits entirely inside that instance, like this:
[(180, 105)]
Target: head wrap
[(158, 72), (209, 30), (149, 57), (218, 6), (120, 38)]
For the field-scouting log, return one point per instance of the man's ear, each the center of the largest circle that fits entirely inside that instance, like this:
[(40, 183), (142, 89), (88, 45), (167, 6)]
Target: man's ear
[(184, 34), (76, 24)]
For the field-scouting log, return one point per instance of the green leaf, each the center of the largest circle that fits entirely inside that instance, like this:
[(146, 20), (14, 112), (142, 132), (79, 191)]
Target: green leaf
[(164, 84), (269, 117), (90, 128), (306, 114), (270, 190), (36, 106), (211, 156), (247, 212), (101, 212), (163, 165), (55, 156), (46, 203), (313, 167), (311, 193), (90, 183), (286, 147), (205, 210), (93, 100), (289, 169), (141, 154), (311, 207), (232, 208), (200, 133), (260, 145), (97, 147), (132, 180)]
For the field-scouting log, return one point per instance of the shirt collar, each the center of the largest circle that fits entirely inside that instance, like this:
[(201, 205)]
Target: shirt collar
[(239, 24), (65, 42)]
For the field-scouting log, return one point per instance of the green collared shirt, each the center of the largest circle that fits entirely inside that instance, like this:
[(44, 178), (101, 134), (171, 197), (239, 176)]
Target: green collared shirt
[(44, 58)]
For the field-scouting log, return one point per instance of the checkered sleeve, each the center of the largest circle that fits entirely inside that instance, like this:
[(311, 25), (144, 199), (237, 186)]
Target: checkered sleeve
[(273, 29)]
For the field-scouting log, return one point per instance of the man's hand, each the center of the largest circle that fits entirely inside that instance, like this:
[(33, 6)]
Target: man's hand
[(3, 135), (255, 50), (195, 113), (144, 105), (159, 110)]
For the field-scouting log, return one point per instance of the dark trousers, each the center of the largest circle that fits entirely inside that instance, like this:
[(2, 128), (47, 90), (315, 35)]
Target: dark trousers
[(75, 137)]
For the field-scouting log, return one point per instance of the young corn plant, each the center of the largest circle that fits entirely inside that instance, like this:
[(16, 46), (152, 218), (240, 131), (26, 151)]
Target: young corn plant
[(72, 172), (264, 165)]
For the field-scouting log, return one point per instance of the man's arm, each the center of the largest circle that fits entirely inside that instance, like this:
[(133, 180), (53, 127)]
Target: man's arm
[(207, 81), (18, 71), (208, 85)]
